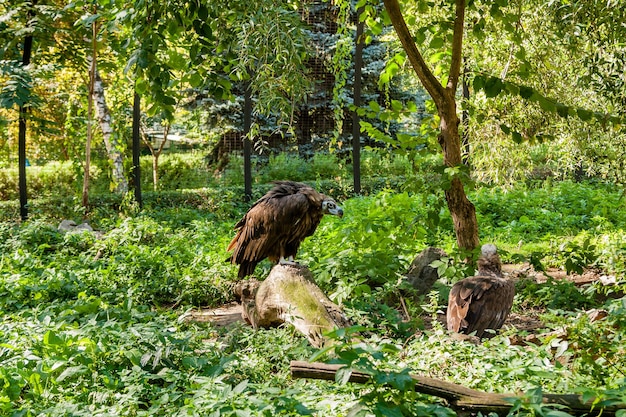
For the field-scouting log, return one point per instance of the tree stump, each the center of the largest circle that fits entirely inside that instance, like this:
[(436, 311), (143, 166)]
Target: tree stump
[(289, 295)]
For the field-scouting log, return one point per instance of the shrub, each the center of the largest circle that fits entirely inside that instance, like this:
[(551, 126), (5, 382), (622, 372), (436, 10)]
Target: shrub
[(54, 178), (285, 166)]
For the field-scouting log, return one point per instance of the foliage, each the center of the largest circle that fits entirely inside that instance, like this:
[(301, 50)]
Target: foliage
[(553, 294), (93, 324), (375, 239)]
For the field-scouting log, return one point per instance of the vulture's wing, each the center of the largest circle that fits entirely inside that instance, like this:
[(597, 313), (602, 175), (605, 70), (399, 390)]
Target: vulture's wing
[(479, 303), (495, 305), (260, 231)]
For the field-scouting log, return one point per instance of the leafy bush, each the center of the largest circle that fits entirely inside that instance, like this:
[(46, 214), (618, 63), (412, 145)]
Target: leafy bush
[(374, 241), (381, 162), (555, 208), (285, 166), (54, 178), (327, 166), (553, 294), (177, 171)]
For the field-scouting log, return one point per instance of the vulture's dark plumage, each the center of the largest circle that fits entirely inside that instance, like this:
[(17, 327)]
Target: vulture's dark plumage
[(483, 301), (277, 223)]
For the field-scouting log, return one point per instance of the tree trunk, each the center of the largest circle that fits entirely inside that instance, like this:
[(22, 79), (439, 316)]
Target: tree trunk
[(21, 152), (136, 151), (356, 119), (247, 142), (92, 80), (461, 209), (113, 146), (156, 153), (155, 170)]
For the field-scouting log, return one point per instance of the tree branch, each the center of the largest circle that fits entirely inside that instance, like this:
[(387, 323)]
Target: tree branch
[(457, 45), (429, 81)]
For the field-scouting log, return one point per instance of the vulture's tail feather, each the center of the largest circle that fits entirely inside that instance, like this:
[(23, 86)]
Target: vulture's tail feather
[(246, 268)]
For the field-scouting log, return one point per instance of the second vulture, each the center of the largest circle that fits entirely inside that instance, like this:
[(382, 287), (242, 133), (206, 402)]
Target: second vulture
[(483, 301), (277, 223)]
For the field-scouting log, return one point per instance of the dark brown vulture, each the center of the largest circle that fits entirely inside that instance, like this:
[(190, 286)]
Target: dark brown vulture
[(277, 223), (483, 301)]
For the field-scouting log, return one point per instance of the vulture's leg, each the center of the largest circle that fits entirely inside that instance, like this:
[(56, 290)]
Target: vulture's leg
[(288, 261)]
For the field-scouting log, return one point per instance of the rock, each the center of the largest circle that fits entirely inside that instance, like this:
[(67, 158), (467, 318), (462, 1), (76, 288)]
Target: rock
[(70, 226), (421, 275), (66, 225)]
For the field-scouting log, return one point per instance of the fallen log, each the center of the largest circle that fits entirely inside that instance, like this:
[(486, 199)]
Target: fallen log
[(463, 400)]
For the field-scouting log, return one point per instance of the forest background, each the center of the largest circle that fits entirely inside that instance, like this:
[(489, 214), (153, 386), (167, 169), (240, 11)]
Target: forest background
[(92, 323)]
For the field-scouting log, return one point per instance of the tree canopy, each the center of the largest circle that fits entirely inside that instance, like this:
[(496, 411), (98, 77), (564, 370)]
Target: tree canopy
[(544, 78)]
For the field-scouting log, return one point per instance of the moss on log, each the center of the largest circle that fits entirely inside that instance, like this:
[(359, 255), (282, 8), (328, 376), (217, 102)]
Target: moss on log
[(290, 295)]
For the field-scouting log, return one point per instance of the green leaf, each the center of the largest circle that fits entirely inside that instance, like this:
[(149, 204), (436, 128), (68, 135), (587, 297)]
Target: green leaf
[(195, 79), (35, 383), (384, 410), (51, 338), (525, 92), (478, 82), (546, 104), (396, 105), (493, 87), (203, 13), (141, 86), (241, 387), (375, 26), (71, 372), (436, 43), (584, 115), (343, 374), (562, 110), (374, 106)]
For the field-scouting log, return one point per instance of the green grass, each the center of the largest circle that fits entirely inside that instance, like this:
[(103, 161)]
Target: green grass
[(90, 325)]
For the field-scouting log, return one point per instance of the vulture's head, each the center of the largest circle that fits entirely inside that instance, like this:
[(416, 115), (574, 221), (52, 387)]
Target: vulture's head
[(489, 261), (329, 206)]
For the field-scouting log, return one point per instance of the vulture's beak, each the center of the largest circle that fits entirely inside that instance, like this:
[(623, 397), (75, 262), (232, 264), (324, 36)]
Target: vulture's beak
[(337, 212)]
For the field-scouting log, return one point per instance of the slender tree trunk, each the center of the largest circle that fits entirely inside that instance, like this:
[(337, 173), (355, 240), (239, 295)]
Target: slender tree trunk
[(155, 171), (461, 209), (356, 120), (22, 164), (21, 139), (113, 146), (156, 153), (465, 146), (247, 142), (136, 143), (92, 79)]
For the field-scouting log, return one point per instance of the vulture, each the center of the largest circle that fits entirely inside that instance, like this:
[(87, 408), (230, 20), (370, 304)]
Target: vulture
[(277, 223), (483, 301)]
